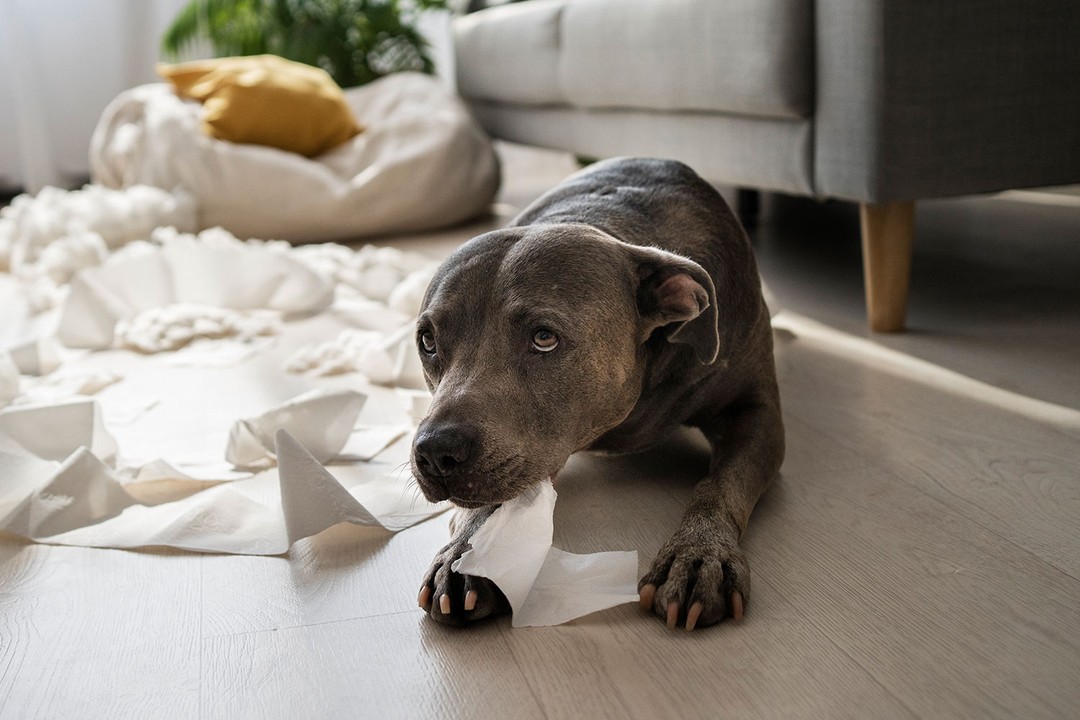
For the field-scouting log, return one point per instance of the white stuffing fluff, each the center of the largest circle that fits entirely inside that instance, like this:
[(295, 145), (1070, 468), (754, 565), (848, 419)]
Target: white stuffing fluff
[(374, 272), (171, 327), (31, 223), (47, 238), (62, 258), (363, 351)]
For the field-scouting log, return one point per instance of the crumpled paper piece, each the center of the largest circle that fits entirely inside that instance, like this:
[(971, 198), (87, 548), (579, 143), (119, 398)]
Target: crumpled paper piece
[(379, 273), (80, 500), (10, 387), (322, 419), (54, 431), (545, 585), (238, 276), (66, 383), (38, 356), (352, 350), (384, 358)]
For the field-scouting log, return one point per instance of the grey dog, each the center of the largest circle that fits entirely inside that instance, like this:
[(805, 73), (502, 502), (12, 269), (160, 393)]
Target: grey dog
[(619, 306)]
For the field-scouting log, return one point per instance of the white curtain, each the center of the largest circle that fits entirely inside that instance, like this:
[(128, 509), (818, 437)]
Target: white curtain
[(61, 62)]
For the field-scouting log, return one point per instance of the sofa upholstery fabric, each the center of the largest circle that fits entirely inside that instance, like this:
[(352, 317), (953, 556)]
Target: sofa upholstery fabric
[(744, 57), (883, 100)]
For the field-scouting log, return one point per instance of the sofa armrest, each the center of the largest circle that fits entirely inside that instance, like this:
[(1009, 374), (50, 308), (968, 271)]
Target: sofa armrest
[(919, 98)]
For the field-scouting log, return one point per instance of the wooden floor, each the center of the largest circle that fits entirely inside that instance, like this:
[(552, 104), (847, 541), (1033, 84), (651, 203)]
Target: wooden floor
[(919, 557)]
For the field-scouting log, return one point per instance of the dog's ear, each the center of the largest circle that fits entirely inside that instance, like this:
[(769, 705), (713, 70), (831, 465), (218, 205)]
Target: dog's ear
[(676, 291)]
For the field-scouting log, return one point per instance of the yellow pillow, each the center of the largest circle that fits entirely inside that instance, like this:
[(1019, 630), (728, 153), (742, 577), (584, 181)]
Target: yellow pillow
[(266, 100)]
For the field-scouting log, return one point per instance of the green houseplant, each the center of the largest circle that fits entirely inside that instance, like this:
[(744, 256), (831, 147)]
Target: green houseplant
[(356, 41)]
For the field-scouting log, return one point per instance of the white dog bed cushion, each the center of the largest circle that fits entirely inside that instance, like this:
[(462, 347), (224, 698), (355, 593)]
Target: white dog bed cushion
[(421, 162)]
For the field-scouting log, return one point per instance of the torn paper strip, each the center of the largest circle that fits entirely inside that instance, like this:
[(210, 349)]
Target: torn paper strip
[(9, 379), (81, 502), (55, 431), (322, 421), (545, 585), (236, 276)]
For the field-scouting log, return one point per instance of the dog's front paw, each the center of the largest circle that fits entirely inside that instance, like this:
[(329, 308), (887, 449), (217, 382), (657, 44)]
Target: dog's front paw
[(697, 579), (457, 599)]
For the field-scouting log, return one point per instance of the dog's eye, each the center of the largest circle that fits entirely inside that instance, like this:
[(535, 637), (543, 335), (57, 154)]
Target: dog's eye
[(544, 340), (427, 342)]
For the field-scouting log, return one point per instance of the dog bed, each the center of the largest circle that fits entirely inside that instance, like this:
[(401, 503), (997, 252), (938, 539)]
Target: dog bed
[(421, 162)]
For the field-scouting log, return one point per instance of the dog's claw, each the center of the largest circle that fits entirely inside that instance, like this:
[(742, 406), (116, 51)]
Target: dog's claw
[(693, 615), (697, 580), (672, 615), (455, 599), (646, 595)]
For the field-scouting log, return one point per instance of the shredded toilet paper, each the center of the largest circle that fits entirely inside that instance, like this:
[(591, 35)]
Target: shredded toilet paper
[(545, 585), (163, 388), (61, 486), (185, 272), (365, 351), (173, 326), (32, 222), (323, 420)]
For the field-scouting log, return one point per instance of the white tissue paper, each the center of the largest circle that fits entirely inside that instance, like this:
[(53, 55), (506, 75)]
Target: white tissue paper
[(163, 329), (323, 420), (39, 356), (55, 431), (60, 489), (238, 276), (384, 358), (9, 379), (545, 585), (30, 224), (201, 439)]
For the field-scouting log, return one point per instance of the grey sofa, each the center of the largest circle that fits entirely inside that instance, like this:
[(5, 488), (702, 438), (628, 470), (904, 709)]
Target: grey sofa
[(881, 102)]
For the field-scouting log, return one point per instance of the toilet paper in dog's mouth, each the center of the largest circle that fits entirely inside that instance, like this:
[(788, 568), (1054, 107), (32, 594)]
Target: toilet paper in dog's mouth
[(543, 584)]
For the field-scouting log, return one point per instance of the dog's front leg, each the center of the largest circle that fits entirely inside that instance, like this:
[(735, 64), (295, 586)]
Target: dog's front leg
[(701, 575), (456, 599)]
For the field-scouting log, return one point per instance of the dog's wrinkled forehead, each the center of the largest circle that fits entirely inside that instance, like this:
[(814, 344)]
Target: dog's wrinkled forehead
[(558, 262), (534, 265)]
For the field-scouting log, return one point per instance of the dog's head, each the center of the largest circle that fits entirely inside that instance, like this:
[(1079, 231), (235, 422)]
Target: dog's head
[(535, 341)]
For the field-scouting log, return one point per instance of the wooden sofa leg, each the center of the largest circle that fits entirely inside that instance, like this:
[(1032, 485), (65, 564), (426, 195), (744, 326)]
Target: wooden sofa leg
[(888, 231)]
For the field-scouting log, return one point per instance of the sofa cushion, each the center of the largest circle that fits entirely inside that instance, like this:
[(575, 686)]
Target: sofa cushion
[(746, 57), (511, 53)]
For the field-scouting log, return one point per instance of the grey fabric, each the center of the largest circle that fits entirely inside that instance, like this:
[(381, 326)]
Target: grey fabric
[(510, 53), (905, 99), (752, 152), (744, 57), (921, 98)]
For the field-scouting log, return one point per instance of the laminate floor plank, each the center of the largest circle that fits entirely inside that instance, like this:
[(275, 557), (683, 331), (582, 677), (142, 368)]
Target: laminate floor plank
[(952, 618), (391, 666), (344, 573), (88, 632), (919, 556), (1015, 476)]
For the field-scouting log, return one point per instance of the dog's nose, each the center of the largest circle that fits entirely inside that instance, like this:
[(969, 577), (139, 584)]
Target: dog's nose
[(443, 449)]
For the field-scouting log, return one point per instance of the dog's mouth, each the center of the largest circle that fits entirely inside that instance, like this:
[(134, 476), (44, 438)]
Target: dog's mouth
[(479, 489), (472, 502)]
